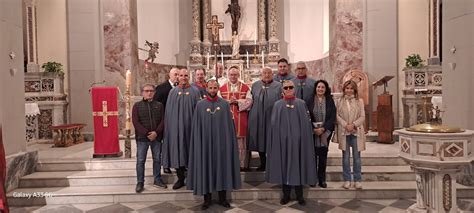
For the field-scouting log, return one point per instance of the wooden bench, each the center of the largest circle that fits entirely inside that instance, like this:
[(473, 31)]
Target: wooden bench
[(68, 134)]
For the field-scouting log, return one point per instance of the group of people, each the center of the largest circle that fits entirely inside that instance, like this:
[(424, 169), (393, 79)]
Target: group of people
[(206, 130)]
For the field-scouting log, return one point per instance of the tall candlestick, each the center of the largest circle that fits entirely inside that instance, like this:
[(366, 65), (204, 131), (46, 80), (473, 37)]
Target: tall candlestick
[(255, 39), (208, 56), (263, 59), (222, 59), (248, 66), (128, 79)]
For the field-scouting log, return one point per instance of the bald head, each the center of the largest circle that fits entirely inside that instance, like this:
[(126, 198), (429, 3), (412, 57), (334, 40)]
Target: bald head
[(233, 74), (174, 74), (183, 76)]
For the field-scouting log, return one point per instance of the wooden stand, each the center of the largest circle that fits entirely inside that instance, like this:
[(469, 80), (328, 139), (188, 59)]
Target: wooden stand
[(384, 114), (385, 125)]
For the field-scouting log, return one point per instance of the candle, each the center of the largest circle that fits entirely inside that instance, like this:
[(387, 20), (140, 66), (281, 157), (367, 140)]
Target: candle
[(128, 79), (263, 59), (222, 59), (128, 125), (248, 59), (255, 39), (208, 56)]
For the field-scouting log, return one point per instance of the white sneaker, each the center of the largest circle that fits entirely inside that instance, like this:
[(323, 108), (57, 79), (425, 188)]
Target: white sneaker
[(346, 185), (358, 185)]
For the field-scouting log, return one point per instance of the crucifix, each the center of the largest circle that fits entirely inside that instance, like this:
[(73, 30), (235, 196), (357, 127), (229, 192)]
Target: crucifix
[(214, 27), (105, 114)]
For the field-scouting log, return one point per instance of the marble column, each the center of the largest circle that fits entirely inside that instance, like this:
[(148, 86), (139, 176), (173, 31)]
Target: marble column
[(195, 57), (273, 42), (434, 33), (262, 41), (206, 13), (30, 41)]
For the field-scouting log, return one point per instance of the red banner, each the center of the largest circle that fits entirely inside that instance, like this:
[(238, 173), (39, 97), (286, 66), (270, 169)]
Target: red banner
[(105, 113), (3, 176)]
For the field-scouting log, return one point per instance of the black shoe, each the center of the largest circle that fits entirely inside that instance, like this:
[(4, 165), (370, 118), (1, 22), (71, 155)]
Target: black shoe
[(284, 200), (312, 186), (178, 184), (205, 206), (225, 204), (167, 170), (160, 184), (301, 201), (323, 185), (139, 188)]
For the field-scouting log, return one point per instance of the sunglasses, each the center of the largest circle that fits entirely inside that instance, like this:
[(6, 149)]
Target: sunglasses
[(288, 87)]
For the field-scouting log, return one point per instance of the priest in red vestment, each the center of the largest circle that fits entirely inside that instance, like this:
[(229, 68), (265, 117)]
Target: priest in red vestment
[(239, 97)]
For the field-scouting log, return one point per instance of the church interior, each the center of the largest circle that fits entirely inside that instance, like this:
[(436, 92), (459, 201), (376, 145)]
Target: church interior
[(412, 60)]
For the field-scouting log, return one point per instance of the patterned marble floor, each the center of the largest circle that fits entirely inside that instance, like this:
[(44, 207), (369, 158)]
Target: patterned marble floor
[(260, 206)]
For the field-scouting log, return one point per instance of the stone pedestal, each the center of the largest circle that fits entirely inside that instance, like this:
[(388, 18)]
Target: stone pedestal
[(420, 85), (436, 159)]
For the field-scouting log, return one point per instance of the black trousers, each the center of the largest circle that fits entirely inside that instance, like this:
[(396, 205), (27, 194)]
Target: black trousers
[(321, 162), (263, 159), (287, 191)]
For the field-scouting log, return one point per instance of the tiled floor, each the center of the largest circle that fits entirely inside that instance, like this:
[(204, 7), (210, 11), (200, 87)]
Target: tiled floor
[(260, 206)]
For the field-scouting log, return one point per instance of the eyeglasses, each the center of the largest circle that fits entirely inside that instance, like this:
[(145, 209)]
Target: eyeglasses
[(148, 90), (301, 68), (288, 87)]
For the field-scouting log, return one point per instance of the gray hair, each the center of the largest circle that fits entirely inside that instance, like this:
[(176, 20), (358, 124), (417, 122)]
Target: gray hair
[(146, 85)]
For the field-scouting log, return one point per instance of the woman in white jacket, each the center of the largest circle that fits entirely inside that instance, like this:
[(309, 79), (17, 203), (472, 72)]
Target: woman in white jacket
[(351, 133)]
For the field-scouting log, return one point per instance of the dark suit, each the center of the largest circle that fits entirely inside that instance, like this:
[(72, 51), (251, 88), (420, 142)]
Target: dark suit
[(162, 92)]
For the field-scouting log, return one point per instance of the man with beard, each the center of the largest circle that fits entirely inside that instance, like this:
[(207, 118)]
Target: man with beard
[(283, 71), (264, 94), (213, 158), (200, 82), (179, 111)]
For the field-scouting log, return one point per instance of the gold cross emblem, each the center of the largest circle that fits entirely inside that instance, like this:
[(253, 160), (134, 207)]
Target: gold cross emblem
[(105, 114)]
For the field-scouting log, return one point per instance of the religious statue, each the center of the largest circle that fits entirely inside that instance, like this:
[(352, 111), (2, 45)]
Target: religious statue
[(234, 10), (214, 27), (152, 51), (235, 45)]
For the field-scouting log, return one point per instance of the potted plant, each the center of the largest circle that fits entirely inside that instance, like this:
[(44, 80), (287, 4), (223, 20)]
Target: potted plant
[(413, 61), (53, 67)]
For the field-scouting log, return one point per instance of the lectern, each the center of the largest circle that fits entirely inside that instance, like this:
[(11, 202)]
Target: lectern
[(384, 113)]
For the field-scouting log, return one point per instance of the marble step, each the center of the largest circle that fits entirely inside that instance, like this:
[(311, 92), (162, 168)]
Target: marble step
[(126, 177), (117, 164), (250, 190)]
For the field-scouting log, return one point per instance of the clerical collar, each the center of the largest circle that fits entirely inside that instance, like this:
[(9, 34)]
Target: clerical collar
[(212, 99), (269, 82), (301, 77), (185, 86), (289, 97)]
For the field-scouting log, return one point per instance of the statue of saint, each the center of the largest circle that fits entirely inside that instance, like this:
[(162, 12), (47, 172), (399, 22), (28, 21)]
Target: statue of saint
[(152, 51), (235, 45), (234, 10)]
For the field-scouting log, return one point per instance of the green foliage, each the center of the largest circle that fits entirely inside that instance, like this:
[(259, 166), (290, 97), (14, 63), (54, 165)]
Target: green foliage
[(413, 61), (53, 67)]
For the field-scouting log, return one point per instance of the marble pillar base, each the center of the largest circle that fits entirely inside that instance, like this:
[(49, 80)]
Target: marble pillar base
[(19, 165), (466, 176)]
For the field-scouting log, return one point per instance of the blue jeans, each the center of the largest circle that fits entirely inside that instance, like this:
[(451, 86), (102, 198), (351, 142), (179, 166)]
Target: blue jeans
[(142, 149), (351, 141)]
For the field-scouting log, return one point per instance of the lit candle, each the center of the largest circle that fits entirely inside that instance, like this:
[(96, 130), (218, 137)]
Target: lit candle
[(128, 79), (263, 59), (208, 56), (248, 59), (222, 59)]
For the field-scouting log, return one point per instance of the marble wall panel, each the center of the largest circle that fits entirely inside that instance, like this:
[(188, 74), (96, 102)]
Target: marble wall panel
[(19, 165), (346, 50)]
